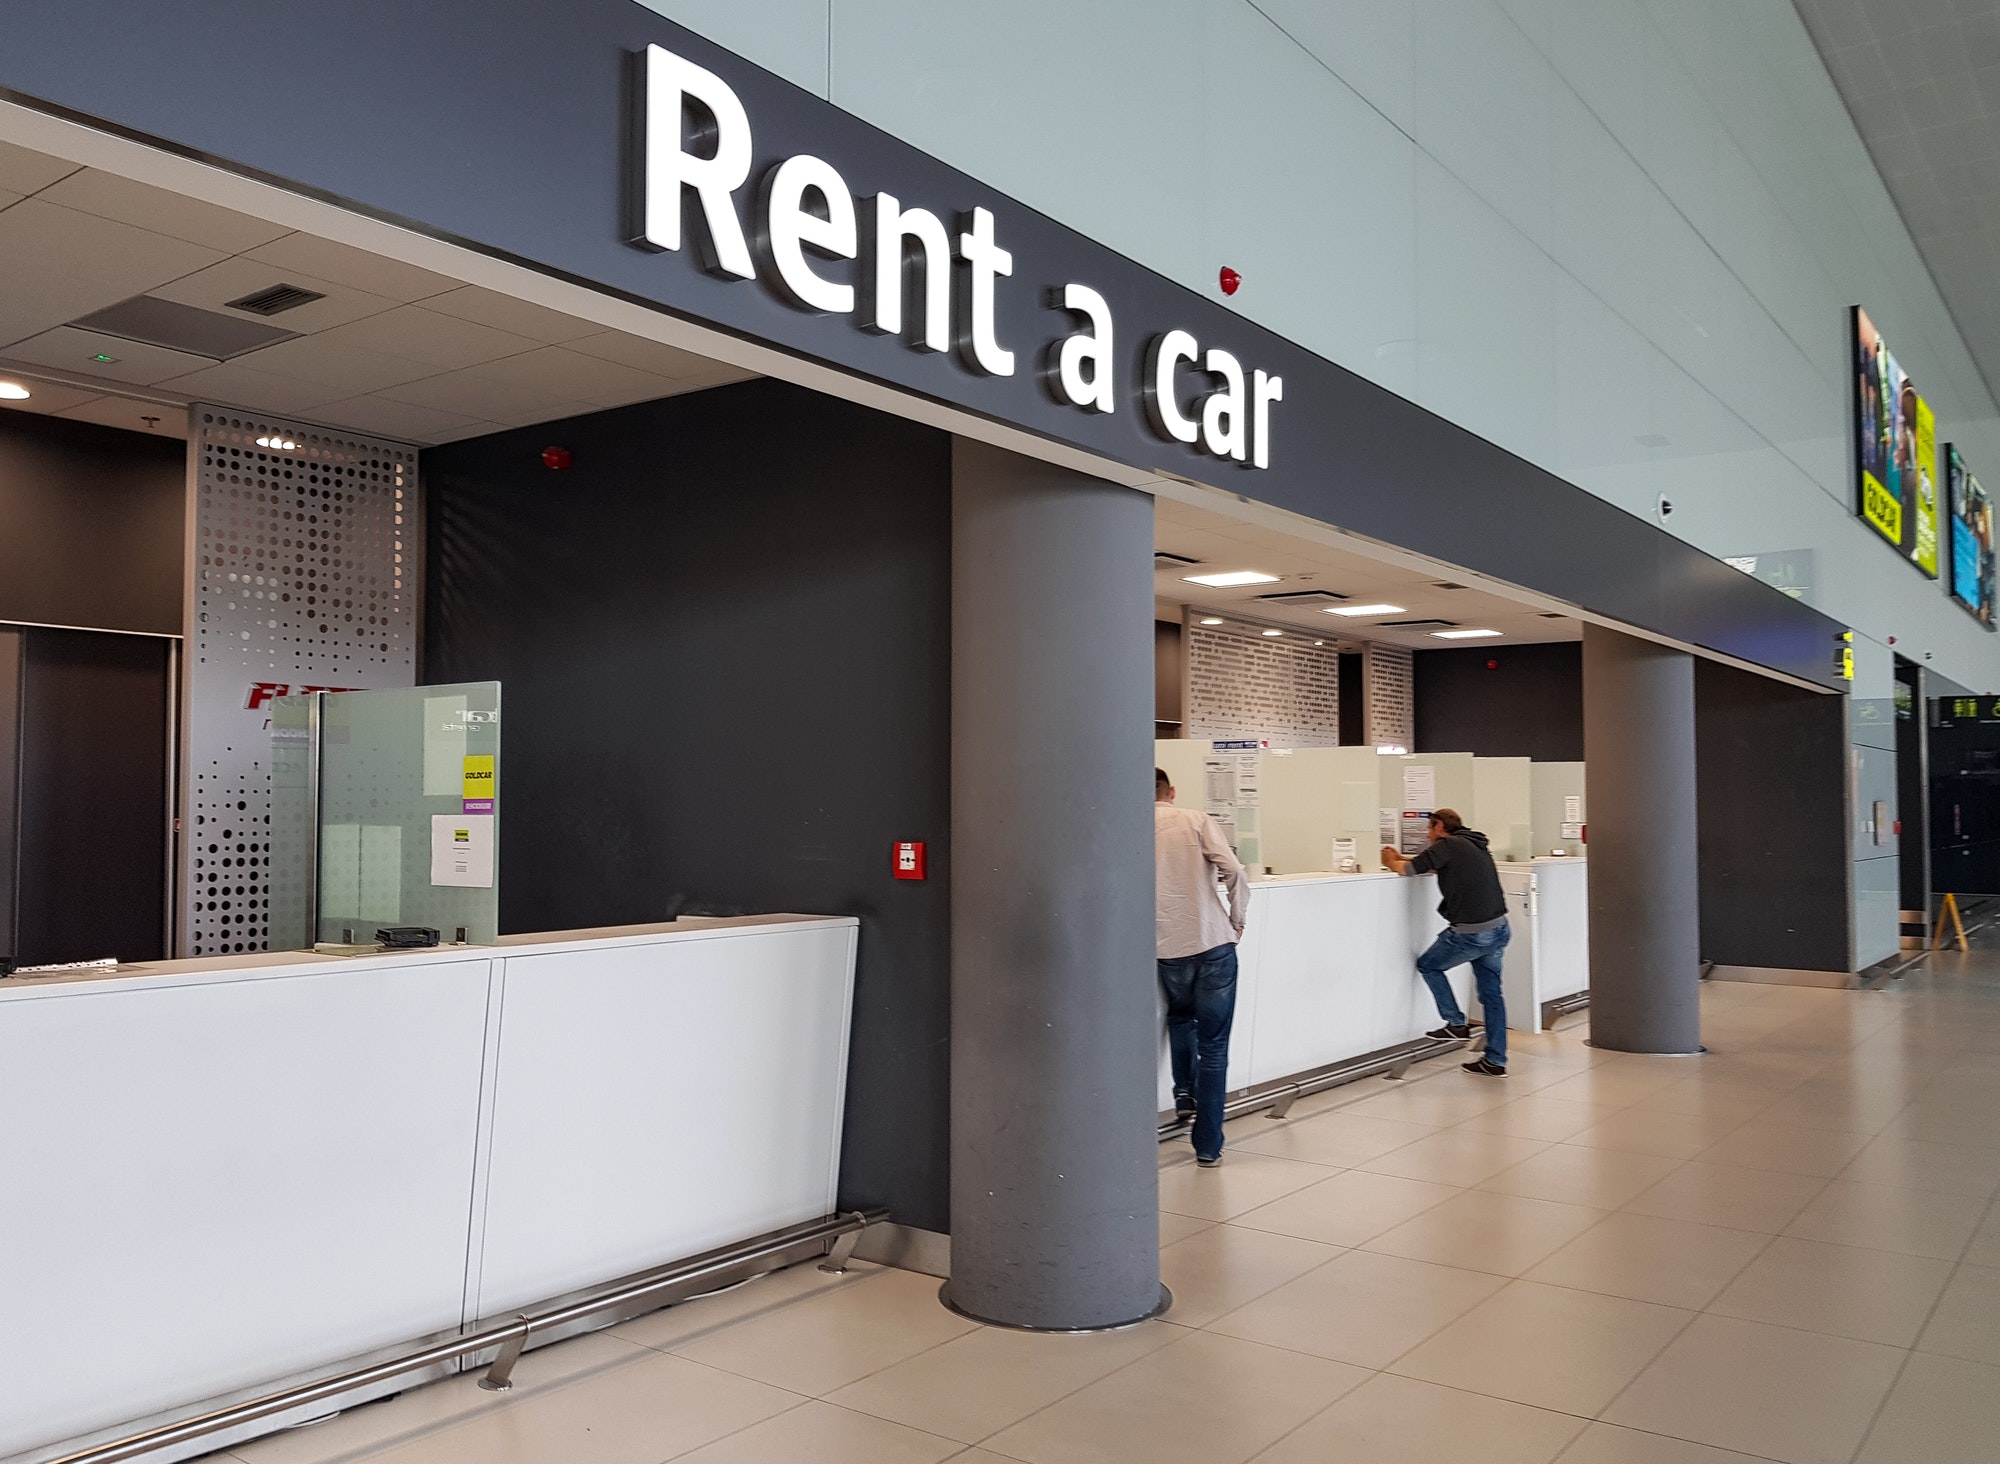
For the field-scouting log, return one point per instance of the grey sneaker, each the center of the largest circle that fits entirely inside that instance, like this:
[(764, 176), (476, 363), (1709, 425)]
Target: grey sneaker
[(1486, 1069), (1208, 1161)]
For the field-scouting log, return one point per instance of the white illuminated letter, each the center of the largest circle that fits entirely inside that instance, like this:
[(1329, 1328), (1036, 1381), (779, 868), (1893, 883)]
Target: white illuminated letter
[(989, 261), (1164, 359), (792, 226), (1263, 391), (1083, 366), (894, 228), (1222, 414), (669, 166)]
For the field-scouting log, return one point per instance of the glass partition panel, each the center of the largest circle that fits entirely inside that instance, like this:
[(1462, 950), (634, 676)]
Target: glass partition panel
[(402, 788)]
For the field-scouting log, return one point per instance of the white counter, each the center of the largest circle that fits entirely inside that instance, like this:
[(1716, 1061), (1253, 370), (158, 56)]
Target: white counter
[(217, 1174), (1327, 967)]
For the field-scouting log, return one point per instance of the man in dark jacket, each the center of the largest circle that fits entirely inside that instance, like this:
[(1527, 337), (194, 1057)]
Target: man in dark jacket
[(1476, 931)]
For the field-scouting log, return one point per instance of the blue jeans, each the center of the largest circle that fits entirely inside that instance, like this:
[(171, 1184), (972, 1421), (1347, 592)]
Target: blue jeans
[(1484, 951), (1201, 1007)]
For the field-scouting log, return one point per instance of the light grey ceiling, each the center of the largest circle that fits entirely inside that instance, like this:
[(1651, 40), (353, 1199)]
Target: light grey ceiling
[(1921, 78)]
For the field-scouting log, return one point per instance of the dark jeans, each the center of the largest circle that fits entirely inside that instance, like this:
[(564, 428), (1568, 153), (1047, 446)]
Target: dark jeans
[(1484, 952), (1201, 1007)]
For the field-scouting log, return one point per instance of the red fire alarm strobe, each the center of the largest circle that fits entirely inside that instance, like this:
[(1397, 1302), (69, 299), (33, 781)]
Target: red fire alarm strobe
[(910, 861)]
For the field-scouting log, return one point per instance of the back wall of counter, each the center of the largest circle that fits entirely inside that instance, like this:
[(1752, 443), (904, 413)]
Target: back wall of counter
[(724, 642)]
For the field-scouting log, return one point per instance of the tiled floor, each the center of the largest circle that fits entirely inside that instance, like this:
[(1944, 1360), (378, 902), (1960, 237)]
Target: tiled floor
[(1788, 1249)]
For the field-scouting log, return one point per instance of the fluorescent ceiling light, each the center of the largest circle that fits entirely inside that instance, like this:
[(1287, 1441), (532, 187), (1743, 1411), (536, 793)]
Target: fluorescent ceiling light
[(1463, 634), (1231, 579), (1392, 749), (281, 444), (1274, 632), (1364, 610), (13, 391), (1210, 620)]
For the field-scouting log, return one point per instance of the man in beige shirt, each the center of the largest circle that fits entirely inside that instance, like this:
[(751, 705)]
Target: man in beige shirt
[(1197, 954)]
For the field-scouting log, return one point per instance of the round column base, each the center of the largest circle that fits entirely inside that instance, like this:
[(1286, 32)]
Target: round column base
[(1166, 1300)]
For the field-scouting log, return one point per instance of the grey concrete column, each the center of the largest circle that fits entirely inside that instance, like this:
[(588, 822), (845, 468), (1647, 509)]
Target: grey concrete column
[(1054, 1153), (1645, 910)]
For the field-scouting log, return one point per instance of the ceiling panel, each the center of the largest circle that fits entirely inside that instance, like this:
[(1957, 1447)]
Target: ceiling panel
[(574, 376), (642, 354), (231, 384), (391, 418), (49, 397), (326, 361), (355, 268), (111, 197), (213, 288), (59, 264), (469, 394), (443, 342), (69, 349), (489, 307), (24, 172), (113, 411)]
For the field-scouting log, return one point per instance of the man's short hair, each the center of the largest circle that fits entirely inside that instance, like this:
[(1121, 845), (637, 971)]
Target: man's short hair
[(1161, 782), (1447, 819)]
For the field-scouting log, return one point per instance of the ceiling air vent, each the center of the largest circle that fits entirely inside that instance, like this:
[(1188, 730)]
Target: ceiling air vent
[(276, 300), (1445, 585), (1553, 615), (1411, 624), (1302, 597), (1164, 560), (184, 328)]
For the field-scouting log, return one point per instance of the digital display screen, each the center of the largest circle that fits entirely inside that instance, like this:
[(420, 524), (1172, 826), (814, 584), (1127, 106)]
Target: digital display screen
[(1896, 450), (1969, 524)]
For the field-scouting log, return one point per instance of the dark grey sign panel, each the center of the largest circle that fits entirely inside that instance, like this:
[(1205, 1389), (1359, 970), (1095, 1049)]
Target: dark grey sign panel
[(514, 128)]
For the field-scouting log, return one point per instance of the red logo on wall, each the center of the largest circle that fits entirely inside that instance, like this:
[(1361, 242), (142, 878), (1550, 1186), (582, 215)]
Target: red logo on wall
[(262, 693), (909, 861)]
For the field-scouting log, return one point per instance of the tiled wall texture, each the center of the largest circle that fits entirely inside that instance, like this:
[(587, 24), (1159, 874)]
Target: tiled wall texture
[(1618, 237), (1246, 686)]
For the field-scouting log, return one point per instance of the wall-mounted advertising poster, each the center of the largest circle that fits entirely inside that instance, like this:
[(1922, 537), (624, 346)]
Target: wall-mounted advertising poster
[(1969, 527), (1896, 449)]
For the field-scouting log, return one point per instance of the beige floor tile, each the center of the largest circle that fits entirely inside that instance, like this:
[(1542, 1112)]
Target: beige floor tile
[(826, 1435), (1440, 1101), (1205, 1399), (1348, 1208), (1392, 1420), (1616, 1084), (1571, 1351), (1601, 1178), (1455, 1156), (1915, 1222), (1606, 1443), (1646, 1258), (1361, 1308), (1837, 1107), (1536, 1117), (1844, 1291), (1763, 1200), (824, 1342), (1220, 1269), (1484, 1231), (362, 1431), (1945, 1121), (1242, 1182), (1769, 1391), (975, 1385), (1985, 1247), (1943, 1410), (1337, 1139), (1715, 1098), (662, 1329), (1967, 1320), (1179, 1227), (1950, 1169), (1646, 1129), (1759, 1145), (649, 1410)]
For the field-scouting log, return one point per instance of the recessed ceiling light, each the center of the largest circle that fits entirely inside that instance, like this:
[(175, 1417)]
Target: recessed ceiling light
[(1210, 620), (1463, 634), (13, 391), (1364, 610), (1273, 632), (1231, 579)]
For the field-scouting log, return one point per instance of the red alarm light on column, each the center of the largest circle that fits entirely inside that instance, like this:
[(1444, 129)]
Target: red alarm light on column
[(1230, 280), (556, 459), (909, 860)]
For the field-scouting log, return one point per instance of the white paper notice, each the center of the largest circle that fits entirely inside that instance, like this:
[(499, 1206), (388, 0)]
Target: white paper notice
[(1344, 850), (1420, 786), (1386, 826), (1572, 831), (1572, 810), (462, 850)]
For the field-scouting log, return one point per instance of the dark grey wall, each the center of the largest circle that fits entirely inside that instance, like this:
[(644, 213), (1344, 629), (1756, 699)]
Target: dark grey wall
[(1772, 798), (93, 796), (1169, 678), (90, 525), (724, 639), (1529, 705)]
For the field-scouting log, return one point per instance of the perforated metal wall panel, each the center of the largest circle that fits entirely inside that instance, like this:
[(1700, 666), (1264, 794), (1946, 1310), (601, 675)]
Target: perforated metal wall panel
[(302, 560), (1390, 695)]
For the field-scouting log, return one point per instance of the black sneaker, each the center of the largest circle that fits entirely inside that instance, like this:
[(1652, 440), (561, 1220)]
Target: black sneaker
[(1184, 1107), (1486, 1069), (1449, 1033)]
